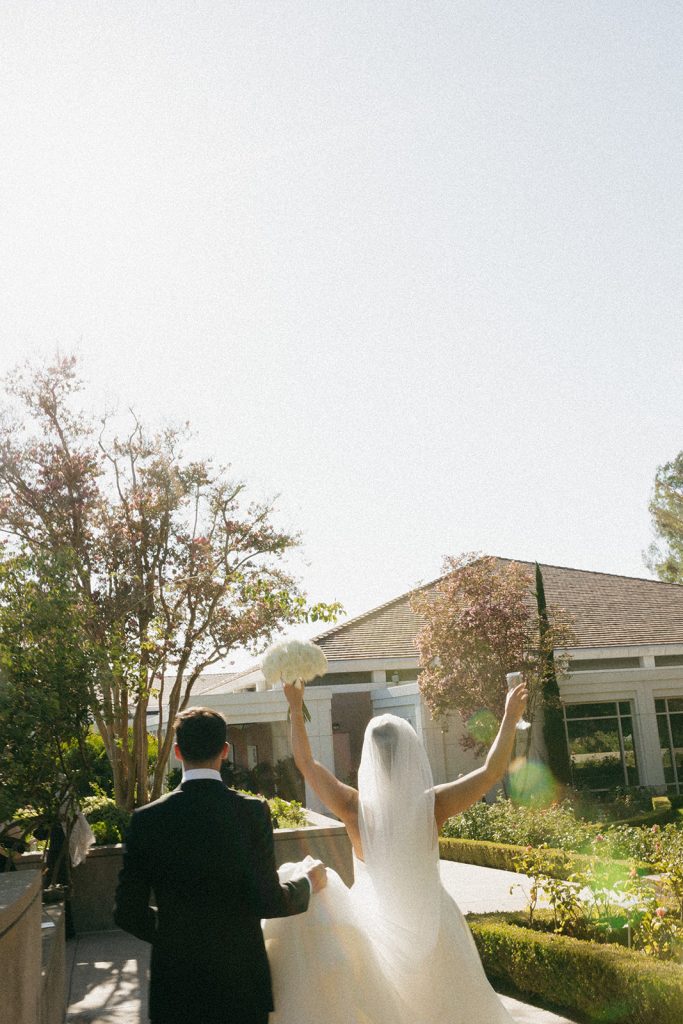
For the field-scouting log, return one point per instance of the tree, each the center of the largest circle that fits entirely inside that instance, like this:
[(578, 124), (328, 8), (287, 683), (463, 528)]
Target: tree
[(481, 622), (553, 724), (45, 689), (666, 509), (173, 568)]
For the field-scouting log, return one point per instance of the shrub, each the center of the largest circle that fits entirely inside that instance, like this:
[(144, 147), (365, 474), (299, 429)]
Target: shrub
[(90, 767), (506, 822), (107, 821), (287, 814), (283, 779), (598, 982), (559, 828)]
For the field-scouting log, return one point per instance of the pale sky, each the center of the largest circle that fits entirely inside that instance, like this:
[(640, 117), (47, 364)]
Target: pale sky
[(414, 267)]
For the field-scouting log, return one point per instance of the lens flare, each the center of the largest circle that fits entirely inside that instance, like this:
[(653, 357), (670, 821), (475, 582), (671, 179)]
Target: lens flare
[(482, 726), (532, 783)]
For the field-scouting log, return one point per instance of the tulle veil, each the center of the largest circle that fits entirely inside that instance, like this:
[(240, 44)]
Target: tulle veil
[(400, 842)]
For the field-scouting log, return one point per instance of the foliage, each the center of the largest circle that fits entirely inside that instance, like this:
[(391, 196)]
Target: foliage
[(46, 687), (172, 568), (648, 844), (601, 902), (597, 982), (506, 822), (622, 804), (95, 773), (669, 860), (481, 622), (666, 509), (505, 857), (283, 779), (558, 827), (553, 721), (287, 814), (108, 821)]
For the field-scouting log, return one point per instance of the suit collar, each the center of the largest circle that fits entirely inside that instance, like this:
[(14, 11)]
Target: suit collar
[(193, 774)]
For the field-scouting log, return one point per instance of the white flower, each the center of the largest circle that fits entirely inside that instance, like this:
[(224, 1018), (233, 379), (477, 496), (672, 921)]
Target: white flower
[(297, 661)]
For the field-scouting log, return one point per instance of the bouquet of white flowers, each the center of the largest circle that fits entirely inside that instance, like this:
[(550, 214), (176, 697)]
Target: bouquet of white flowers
[(294, 663)]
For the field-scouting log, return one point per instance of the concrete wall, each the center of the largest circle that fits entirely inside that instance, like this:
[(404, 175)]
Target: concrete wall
[(53, 990), (20, 947), (327, 842), (94, 881)]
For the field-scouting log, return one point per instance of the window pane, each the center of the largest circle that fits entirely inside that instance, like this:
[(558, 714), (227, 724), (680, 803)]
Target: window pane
[(660, 706), (677, 734), (629, 752), (595, 753), (676, 705), (669, 776), (625, 707), (591, 710)]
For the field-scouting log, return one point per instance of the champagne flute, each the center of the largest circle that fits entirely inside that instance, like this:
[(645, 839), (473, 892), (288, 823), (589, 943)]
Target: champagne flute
[(514, 679)]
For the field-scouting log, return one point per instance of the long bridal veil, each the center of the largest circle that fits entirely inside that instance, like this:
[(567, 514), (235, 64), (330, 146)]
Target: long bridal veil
[(395, 949), (400, 843)]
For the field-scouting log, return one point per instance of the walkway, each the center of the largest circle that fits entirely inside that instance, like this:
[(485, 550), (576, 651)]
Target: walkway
[(107, 971)]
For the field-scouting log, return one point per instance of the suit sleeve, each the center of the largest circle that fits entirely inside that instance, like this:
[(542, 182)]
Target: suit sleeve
[(132, 911), (274, 898)]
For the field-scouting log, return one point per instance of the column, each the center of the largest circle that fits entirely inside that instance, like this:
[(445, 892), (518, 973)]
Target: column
[(320, 737)]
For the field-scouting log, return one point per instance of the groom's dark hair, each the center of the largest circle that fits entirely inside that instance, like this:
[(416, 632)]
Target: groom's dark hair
[(201, 733)]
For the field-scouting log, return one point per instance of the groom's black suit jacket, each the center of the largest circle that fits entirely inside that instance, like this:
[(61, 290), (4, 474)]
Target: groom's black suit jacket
[(207, 854)]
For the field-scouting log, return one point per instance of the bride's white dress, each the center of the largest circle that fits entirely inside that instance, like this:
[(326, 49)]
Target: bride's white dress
[(395, 948)]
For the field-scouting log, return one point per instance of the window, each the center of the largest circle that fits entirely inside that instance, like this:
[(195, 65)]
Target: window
[(602, 664), (600, 743), (252, 756), (670, 725)]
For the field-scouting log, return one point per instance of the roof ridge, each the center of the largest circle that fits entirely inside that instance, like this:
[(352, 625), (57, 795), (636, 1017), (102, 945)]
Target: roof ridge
[(588, 572)]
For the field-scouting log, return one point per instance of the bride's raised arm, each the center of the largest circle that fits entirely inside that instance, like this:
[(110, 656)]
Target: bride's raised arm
[(454, 797), (341, 799)]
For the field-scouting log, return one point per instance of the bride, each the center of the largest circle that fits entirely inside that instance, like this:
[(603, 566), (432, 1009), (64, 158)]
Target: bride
[(395, 948)]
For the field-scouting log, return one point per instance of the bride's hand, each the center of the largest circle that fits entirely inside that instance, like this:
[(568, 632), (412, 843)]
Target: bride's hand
[(294, 695), (515, 704)]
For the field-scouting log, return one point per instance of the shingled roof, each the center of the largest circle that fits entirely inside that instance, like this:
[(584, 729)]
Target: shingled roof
[(605, 611)]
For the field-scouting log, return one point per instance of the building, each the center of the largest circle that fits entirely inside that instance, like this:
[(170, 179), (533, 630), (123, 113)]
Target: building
[(623, 697)]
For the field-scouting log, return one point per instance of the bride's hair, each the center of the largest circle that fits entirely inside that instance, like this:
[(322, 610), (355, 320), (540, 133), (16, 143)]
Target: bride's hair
[(385, 738)]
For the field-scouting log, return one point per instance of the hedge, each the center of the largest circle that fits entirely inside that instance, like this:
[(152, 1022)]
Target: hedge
[(601, 983), (667, 817), (502, 856)]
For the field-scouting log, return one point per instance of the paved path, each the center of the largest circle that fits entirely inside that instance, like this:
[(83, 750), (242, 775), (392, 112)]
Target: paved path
[(481, 890), (107, 971)]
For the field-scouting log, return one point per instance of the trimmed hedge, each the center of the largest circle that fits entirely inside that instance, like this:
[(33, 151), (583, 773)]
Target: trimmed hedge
[(602, 983), (667, 817), (502, 856)]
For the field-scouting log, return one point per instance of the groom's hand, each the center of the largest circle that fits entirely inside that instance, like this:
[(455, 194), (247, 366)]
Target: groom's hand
[(317, 876)]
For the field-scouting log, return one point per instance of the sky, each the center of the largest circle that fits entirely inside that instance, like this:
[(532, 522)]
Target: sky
[(412, 269)]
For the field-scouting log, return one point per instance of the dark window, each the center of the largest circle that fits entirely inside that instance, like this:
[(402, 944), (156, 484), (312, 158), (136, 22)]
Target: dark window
[(601, 745), (670, 727), (602, 664)]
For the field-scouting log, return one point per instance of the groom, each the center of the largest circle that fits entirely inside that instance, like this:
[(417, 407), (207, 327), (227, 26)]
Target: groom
[(207, 854)]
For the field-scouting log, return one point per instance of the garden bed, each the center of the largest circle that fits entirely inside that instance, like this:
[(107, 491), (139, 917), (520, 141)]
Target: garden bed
[(596, 982)]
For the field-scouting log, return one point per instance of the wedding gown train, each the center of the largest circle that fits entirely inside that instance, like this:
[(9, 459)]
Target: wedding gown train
[(395, 948), (328, 969)]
